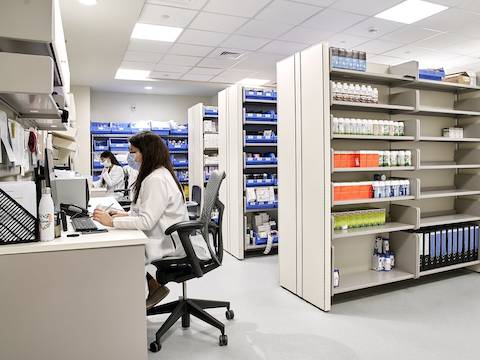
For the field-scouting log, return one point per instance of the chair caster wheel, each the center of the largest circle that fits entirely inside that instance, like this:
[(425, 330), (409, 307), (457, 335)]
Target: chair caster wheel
[(154, 347), (223, 340), (229, 314)]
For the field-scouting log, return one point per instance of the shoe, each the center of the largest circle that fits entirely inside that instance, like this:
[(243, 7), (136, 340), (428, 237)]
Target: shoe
[(156, 295)]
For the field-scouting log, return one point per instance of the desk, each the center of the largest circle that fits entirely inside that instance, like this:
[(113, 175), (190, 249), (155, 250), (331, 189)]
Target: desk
[(74, 298)]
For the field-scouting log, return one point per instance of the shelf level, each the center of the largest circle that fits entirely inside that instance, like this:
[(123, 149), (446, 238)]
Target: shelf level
[(369, 278), (259, 101), (260, 166), (249, 122), (371, 230), (258, 247), (366, 169), (247, 211), (260, 145), (423, 84), (373, 137), (446, 139), (348, 105), (275, 187), (375, 78), (432, 194), (445, 166), (447, 219), (432, 111), (447, 268), (371, 201)]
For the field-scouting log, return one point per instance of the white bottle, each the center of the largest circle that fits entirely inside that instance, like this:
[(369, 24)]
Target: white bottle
[(363, 93), (369, 98), (351, 92), (375, 96), (341, 126), (335, 125), (344, 93), (369, 127), (46, 216), (357, 93)]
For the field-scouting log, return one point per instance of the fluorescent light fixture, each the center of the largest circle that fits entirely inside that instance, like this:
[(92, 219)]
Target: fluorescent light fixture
[(148, 87), (132, 74), (253, 82), (411, 11), (156, 32), (88, 2)]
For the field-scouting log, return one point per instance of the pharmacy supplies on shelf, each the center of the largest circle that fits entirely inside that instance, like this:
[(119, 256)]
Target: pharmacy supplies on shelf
[(348, 59), (358, 218), (453, 132), (383, 259), (336, 278), (370, 189), (350, 126), (360, 93), (372, 158)]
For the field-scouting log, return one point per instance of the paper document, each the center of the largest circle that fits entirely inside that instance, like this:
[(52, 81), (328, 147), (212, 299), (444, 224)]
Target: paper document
[(5, 136)]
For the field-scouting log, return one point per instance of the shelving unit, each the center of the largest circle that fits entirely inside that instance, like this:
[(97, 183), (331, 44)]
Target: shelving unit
[(443, 182), (243, 114), (203, 150)]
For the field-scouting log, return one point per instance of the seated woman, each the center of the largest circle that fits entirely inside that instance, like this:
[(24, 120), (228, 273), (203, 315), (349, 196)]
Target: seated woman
[(158, 203), (113, 177)]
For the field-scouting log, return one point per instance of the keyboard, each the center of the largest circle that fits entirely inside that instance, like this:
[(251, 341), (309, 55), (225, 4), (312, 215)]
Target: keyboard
[(83, 224)]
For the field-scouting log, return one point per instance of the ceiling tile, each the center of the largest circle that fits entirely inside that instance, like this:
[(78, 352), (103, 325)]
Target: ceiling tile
[(378, 46), (283, 47), (455, 20), (373, 28), (458, 62), (136, 65), (180, 60), (285, 11), (333, 20), (165, 75), (259, 61), (198, 37), (365, 7), (196, 77), (268, 29), (190, 50), (471, 5), (188, 4), (205, 71), (315, 2), (232, 76), (306, 36), (409, 34), (247, 8), (385, 60), (149, 46), (452, 43), (142, 56), (426, 57), (245, 42), (166, 15), (217, 22), (172, 68), (217, 63), (346, 41)]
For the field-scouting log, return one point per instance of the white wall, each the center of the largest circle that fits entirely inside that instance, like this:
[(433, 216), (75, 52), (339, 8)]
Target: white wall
[(117, 107), (82, 107)]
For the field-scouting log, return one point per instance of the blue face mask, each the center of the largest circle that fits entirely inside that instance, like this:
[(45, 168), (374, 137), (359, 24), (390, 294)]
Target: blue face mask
[(132, 162)]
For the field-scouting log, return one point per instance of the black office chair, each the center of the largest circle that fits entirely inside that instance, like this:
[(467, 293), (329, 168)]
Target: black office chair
[(180, 270), (194, 210), (125, 201)]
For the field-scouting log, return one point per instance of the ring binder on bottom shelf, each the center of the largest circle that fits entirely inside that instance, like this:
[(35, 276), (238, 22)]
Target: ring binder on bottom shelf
[(17, 225)]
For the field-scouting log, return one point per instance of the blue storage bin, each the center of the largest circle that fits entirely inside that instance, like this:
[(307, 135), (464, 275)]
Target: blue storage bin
[(263, 160), (140, 126), (260, 182), (96, 177), (210, 111), (179, 131), (253, 205), (254, 139), (100, 128), (121, 128), (97, 164), (431, 74), (179, 162), (177, 147), (119, 144), (263, 241), (100, 145)]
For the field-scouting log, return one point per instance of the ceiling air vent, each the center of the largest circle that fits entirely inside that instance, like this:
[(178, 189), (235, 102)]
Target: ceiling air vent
[(231, 55)]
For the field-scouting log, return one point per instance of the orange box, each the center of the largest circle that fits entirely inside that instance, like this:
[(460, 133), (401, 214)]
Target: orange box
[(345, 159), (369, 158), (352, 191)]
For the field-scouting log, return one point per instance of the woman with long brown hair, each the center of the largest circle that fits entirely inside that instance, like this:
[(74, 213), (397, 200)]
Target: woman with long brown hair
[(158, 203)]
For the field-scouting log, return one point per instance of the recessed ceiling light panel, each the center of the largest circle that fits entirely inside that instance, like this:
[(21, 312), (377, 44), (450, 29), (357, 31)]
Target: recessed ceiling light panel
[(132, 74), (411, 11), (156, 32), (148, 87)]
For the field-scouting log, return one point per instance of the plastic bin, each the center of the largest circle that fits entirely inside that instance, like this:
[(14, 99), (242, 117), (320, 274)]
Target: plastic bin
[(210, 111), (263, 241), (254, 205), (179, 161), (121, 128), (119, 144), (160, 128), (140, 126), (97, 164), (262, 160), (261, 182), (179, 131), (101, 145), (172, 146), (100, 128), (431, 74), (258, 139)]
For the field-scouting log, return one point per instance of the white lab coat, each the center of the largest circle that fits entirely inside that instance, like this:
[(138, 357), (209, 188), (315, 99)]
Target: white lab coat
[(114, 180), (160, 204), (132, 177)]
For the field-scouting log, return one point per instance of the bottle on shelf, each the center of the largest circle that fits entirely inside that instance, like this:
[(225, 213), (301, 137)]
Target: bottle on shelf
[(46, 211)]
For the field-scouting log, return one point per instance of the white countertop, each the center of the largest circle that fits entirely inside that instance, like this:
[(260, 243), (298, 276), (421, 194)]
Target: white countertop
[(112, 238)]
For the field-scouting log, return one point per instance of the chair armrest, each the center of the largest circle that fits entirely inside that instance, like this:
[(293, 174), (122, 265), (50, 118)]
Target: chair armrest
[(184, 226)]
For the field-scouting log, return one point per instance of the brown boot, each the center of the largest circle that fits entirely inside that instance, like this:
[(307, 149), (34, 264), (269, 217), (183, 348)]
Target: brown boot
[(156, 292)]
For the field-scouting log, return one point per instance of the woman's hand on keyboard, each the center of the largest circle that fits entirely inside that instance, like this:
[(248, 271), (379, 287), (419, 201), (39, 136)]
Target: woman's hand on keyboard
[(103, 217)]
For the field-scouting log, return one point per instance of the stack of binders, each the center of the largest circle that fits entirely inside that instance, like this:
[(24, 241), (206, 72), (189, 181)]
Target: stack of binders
[(448, 245)]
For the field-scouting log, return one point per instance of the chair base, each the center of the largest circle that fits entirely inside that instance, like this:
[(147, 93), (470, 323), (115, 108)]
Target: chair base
[(183, 308)]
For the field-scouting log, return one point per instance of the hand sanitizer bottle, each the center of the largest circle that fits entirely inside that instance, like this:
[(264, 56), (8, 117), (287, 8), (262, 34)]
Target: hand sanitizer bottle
[(46, 216)]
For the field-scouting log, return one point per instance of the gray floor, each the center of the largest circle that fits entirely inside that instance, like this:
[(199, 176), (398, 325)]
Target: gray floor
[(434, 319)]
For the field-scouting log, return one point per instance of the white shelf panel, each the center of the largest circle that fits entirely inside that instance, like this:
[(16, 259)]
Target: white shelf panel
[(369, 278), (447, 219), (450, 267), (260, 166), (259, 247), (376, 78), (371, 230), (446, 139), (371, 201), (347, 105), (260, 145), (366, 169), (432, 194), (445, 166), (373, 137), (433, 111), (247, 122), (423, 84)]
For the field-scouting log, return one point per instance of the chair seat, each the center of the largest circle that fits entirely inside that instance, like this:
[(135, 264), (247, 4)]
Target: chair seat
[(178, 269)]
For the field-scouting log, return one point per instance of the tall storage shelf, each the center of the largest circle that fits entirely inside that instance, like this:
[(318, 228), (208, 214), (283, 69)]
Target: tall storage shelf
[(106, 136), (248, 154), (443, 174), (202, 143)]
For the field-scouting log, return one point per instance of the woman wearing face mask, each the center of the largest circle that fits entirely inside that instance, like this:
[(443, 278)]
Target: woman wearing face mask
[(158, 203), (113, 177)]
